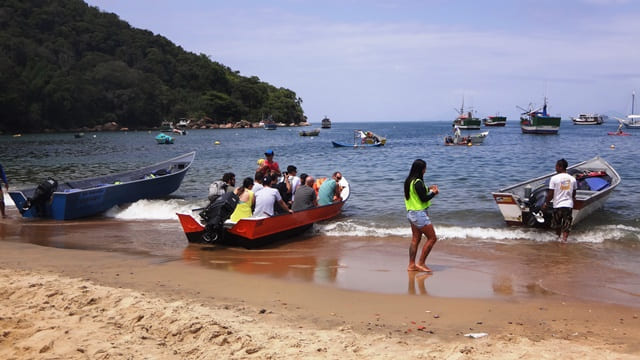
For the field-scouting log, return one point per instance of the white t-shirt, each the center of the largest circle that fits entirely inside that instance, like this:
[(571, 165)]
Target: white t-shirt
[(265, 199), (563, 186), (295, 182)]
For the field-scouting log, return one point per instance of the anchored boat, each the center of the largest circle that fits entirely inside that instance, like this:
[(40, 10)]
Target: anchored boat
[(538, 121)]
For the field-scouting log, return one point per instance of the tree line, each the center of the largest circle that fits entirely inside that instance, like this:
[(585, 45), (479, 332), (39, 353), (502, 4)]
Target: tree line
[(67, 65)]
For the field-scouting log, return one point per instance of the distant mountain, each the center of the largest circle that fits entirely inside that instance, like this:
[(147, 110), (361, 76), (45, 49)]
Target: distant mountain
[(66, 65)]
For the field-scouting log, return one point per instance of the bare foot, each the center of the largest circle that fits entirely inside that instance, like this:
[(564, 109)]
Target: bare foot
[(412, 268), (424, 268)]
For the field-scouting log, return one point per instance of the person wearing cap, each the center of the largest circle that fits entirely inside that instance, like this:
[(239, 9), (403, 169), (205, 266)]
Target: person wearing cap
[(268, 197), (269, 165)]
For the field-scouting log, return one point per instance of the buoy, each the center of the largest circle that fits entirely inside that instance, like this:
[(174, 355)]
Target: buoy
[(613, 146), (217, 142)]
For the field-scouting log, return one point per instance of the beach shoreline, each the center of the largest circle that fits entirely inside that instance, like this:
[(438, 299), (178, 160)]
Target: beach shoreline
[(91, 304)]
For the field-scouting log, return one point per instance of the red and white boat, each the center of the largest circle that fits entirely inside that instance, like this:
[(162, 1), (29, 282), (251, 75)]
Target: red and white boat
[(255, 232), (521, 204)]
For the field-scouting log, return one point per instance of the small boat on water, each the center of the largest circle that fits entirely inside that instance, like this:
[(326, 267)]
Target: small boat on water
[(362, 139), (618, 133), (538, 121), (588, 119), (326, 123), (521, 204), (466, 120), (255, 232), (269, 124), (632, 121), (163, 138), (468, 140), (314, 132), (78, 135), (85, 197), (495, 120)]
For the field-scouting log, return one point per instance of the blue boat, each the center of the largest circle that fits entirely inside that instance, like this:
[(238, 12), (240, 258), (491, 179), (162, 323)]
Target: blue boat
[(86, 197), (163, 138)]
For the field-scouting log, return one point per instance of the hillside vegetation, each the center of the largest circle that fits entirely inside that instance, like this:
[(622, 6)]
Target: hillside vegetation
[(66, 65)]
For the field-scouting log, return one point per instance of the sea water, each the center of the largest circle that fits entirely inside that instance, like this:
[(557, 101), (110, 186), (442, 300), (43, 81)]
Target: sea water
[(464, 213)]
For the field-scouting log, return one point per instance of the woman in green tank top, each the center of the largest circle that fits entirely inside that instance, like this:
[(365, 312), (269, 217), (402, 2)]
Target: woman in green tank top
[(417, 199)]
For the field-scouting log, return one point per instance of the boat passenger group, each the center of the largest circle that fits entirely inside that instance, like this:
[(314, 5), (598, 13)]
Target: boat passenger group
[(271, 191)]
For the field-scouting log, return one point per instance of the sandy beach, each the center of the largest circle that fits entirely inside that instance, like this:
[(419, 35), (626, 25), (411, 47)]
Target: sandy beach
[(85, 304)]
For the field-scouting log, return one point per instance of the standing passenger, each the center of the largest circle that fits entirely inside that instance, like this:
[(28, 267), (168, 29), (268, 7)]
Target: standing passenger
[(417, 199)]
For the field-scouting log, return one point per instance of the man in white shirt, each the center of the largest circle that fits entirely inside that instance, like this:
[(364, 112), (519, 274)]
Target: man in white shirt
[(562, 190), (267, 198)]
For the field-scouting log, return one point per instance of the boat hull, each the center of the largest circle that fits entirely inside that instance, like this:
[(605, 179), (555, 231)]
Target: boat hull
[(535, 124), (475, 139), (513, 201), (256, 232), (87, 197), (356, 145), (495, 121)]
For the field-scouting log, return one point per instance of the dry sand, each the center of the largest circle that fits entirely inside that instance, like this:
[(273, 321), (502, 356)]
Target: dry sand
[(74, 304)]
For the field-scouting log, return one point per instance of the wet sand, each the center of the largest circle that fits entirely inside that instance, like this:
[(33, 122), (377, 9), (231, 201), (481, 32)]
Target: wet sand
[(99, 289)]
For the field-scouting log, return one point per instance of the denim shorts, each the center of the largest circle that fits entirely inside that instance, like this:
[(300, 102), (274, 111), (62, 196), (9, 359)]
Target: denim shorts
[(419, 218)]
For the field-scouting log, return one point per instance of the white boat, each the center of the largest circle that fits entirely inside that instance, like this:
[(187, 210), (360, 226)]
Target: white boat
[(520, 203), (632, 121), (468, 140), (589, 119)]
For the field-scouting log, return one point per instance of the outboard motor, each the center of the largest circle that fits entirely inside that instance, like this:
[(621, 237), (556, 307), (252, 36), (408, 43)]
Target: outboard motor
[(536, 200), (215, 214), (41, 195)]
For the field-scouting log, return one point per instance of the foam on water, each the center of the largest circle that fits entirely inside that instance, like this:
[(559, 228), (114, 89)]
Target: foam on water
[(152, 210), (599, 234)]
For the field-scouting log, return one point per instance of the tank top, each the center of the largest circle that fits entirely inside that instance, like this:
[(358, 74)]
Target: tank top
[(243, 209)]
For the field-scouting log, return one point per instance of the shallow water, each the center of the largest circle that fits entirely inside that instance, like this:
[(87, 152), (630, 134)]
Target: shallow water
[(473, 237)]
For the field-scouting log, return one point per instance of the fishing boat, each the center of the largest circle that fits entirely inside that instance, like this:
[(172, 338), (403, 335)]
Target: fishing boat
[(468, 140), (86, 197), (495, 120), (465, 119), (254, 232), (362, 139), (314, 132), (326, 123), (163, 138), (521, 204), (538, 121), (588, 119)]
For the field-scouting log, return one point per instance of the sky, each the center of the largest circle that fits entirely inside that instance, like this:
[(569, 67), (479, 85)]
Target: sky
[(402, 60)]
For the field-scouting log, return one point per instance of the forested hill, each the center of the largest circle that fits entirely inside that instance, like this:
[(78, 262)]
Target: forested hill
[(66, 65)]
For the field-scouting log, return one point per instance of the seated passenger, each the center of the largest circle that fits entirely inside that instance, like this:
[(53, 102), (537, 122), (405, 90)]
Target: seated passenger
[(330, 190), (245, 206), (268, 197), (305, 196)]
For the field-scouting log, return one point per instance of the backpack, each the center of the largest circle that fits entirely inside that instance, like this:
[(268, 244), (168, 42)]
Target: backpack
[(217, 189)]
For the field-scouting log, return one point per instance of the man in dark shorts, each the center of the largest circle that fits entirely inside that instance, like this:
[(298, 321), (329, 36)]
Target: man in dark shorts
[(562, 190)]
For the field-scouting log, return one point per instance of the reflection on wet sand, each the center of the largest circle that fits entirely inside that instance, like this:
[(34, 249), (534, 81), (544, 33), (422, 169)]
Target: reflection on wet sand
[(285, 264), (419, 279)]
